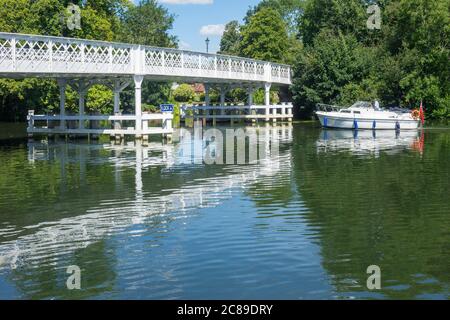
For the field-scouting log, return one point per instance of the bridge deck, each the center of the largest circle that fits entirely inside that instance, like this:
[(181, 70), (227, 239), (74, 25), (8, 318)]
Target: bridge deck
[(24, 56)]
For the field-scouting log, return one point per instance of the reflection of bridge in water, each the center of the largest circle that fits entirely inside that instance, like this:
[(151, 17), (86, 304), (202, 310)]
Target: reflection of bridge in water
[(49, 239)]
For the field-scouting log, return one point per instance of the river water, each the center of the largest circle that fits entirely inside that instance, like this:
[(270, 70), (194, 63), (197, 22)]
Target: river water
[(304, 223)]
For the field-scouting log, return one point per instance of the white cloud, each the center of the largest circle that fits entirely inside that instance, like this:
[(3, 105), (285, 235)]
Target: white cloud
[(184, 45), (187, 1), (212, 30)]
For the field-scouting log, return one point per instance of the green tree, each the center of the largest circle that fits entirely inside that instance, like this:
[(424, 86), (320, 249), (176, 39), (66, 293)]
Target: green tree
[(231, 38), (331, 71), (290, 11), (147, 23), (184, 93), (416, 35), (341, 16), (265, 36)]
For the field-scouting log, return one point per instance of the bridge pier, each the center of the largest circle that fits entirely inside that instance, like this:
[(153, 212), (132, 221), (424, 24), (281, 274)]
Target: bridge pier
[(223, 92), (119, 86), (207, 102), (62, 83), (81, 87), (267, 87), (138, 79)]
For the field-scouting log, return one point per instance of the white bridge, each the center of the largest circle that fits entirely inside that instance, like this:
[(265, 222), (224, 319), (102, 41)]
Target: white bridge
[(82, 63)]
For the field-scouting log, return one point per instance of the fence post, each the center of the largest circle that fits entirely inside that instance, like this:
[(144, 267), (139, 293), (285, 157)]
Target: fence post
[(13, 53)]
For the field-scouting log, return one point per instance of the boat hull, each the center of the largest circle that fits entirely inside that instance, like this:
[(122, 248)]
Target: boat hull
[(330, 121)]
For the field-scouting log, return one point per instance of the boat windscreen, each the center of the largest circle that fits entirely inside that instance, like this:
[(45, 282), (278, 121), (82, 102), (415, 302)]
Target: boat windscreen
[(362, 104)]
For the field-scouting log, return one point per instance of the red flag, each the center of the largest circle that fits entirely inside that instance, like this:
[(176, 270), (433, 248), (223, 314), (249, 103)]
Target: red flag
[(422, 113)]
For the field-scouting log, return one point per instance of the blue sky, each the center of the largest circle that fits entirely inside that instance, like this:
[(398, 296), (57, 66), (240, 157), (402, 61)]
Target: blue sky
[(198, 19)]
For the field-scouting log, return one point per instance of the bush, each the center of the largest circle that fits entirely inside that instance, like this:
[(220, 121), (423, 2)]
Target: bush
[(184, 93)]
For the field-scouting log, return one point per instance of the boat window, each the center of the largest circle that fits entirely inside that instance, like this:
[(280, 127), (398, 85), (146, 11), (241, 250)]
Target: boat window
[(346, 111), (357, 112)]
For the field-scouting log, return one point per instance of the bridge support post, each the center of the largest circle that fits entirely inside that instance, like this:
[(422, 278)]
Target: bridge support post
[(138, 79), (62, 83), (267, 87), (206, 112), (250, 91), (223, 92), (274, 113), (289, 112), (119, 86), (82, 92)]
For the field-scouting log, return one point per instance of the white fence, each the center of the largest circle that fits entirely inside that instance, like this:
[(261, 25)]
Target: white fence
[(34, 55), (112, 125), (254, 112)]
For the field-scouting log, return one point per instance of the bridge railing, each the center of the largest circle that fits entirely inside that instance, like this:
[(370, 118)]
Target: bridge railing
[(99, 124), (24, 55)]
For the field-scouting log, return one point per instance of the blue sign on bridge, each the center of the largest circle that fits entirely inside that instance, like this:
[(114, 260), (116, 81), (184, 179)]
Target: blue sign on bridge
[(166, 107)]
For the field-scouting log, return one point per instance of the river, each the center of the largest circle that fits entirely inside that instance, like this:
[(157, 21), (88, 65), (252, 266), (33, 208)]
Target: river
[(305, 223)]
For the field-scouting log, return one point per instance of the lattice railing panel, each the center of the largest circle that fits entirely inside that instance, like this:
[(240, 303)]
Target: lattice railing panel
[(208, 63), (173, 60), (191, 61), (223, 64), (96, 55), (285, 72), (237, 66), (260, 70), (121, 56), (53, 55), (6, 53), (67, 53), (153, 59)]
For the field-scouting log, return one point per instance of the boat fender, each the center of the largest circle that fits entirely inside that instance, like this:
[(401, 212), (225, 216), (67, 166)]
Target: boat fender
[(415, 114), (374, 125), (355, 125), (397, 126), (325, 122)]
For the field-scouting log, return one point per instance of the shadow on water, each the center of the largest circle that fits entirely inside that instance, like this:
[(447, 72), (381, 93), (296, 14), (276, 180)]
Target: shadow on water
[(142, 221)]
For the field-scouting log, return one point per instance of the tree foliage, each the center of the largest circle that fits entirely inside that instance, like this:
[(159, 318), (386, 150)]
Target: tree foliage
[(265, 36), (405, 62), (290, 11), (184, 93), (231, 38)]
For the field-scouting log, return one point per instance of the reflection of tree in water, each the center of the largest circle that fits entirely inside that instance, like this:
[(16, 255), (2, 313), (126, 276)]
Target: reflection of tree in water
[(97, 263), (390, 211), (278, 189)]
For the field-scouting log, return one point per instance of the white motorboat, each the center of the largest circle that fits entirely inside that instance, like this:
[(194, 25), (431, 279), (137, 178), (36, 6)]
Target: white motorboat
[(362, 115)]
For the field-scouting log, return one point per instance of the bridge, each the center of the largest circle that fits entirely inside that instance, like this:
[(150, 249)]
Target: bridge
[(82, 63)]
